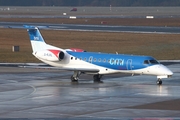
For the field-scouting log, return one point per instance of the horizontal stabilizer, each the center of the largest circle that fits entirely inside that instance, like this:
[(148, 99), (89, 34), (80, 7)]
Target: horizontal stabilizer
[(29, 27), (34, 27)]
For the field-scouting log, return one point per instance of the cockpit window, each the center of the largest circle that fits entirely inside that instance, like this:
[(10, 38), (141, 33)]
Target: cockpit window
[(146, 62), (151, 62)]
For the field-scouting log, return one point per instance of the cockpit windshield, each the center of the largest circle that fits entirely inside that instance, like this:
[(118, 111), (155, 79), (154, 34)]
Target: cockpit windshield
[(151, 62)]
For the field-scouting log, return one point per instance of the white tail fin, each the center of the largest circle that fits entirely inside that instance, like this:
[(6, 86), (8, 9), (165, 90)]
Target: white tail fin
[(37, 41)]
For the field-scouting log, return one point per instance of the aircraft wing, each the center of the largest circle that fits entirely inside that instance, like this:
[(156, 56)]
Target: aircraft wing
[(91, 70), (45, 66)]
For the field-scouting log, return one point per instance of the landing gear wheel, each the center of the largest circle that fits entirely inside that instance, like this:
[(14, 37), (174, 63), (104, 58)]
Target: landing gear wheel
[(75, 76), (159, 82), (73, 79), (97, 78)]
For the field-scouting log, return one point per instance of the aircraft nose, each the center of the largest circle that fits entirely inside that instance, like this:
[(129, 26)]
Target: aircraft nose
[(165, 71)]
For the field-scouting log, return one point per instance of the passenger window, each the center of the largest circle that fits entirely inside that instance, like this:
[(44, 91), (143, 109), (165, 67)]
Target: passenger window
[(146, 62), (104, 60), (94, 59), (84, 59), (90, 59), (99, 60)]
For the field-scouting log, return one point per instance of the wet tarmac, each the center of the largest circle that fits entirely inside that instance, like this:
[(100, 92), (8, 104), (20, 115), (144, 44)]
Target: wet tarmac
[(49, 94)]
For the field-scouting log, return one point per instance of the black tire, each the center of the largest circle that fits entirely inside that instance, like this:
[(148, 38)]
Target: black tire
[(159, 82), (73, 79), (97, 78)]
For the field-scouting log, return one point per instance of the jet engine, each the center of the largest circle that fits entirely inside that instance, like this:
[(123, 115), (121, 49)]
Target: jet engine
[(50, 55)]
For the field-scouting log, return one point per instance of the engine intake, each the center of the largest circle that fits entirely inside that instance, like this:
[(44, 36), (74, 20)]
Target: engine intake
[(61, 55), (50, 55)]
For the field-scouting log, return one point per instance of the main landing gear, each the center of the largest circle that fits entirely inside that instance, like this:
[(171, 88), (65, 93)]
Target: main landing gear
[(159, 81), (97, 78), (75, 77)]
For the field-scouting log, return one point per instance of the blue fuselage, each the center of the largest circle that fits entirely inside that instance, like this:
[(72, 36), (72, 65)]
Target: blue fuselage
[(115, 61)]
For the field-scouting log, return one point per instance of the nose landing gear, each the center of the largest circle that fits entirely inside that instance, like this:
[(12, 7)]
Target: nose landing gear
[(159, 81)]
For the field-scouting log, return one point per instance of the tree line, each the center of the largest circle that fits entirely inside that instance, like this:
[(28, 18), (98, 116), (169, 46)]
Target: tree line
[(90, 3)]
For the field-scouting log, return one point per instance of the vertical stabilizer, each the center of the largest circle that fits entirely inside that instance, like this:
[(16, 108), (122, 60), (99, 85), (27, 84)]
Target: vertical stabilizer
[(37, 41)]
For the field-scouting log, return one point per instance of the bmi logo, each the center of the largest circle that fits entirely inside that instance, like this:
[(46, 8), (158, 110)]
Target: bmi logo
[(36, 38)]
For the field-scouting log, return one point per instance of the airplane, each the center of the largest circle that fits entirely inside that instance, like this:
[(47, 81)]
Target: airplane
[(94, 63)]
